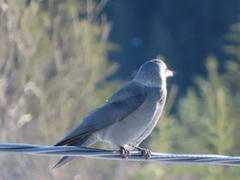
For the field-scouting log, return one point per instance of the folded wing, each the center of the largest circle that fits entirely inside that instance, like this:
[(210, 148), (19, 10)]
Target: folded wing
[(124, 102)]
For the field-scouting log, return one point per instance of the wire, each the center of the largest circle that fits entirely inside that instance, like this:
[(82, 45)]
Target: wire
[(115, 155)]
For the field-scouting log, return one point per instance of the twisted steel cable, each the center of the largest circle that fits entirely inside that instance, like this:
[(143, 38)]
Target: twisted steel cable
[(115, 155)]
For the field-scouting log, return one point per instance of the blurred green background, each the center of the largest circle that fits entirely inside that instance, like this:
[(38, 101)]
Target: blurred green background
[(61, 59)]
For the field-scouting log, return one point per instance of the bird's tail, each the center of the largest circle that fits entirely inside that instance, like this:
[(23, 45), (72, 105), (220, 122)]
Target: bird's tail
[(63, 161), (67, 159)]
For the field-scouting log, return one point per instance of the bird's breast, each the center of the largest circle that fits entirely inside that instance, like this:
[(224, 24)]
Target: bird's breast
[(133, 126)]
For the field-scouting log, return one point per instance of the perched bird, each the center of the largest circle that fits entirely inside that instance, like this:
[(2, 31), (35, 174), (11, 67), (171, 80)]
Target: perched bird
[(128, 117)]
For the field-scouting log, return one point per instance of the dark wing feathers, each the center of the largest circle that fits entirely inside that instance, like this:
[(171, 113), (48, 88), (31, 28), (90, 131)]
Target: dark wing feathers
[(126, 100)]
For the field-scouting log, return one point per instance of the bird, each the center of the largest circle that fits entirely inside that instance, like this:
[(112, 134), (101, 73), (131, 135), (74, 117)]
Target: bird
[(128, 116)]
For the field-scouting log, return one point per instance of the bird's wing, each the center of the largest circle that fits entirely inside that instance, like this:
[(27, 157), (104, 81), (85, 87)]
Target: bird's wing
[(124, 102)]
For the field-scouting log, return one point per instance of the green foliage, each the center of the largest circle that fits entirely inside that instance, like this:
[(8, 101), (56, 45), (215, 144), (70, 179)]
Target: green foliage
[(51, 68), (207, 123)]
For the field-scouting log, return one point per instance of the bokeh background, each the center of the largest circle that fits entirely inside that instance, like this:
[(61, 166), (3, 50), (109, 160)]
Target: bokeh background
[(61, 59)]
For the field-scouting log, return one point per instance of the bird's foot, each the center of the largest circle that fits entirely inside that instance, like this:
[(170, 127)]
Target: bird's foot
[(125, 153), (145, 152)]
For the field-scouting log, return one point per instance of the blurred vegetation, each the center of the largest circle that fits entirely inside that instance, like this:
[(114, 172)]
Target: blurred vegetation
[(185, 32), (206, 122), (53, 64)]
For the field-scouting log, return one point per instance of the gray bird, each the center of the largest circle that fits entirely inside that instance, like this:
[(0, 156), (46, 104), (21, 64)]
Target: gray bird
[(128, 117)]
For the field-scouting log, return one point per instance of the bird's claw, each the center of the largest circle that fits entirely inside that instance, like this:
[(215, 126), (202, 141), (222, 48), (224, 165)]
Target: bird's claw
[(145, 152), (125, 153)]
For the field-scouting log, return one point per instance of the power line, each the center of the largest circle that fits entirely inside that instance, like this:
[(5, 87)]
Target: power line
[(115, 155)]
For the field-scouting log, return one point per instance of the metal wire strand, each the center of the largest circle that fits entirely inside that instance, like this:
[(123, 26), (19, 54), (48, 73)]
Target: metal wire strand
[(115, 155)]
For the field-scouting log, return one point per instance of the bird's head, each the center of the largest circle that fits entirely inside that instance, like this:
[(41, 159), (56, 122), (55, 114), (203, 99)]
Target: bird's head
[(153, 73)]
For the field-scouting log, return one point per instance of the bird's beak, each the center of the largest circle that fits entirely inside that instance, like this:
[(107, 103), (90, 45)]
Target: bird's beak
[(169, 73)]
